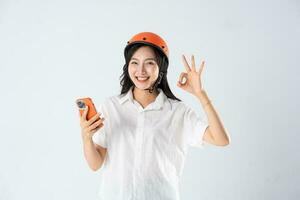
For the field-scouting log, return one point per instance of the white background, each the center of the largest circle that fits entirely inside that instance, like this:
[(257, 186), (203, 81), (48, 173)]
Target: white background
[(53, 52)]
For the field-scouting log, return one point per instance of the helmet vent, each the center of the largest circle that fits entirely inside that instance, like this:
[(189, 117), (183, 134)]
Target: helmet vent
[(163, 47), (144, 38)]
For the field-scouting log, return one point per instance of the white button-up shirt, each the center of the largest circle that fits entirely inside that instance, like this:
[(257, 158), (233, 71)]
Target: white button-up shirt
[(146, 147)]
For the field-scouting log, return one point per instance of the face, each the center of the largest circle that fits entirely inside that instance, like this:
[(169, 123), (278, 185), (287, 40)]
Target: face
[(143, 69)]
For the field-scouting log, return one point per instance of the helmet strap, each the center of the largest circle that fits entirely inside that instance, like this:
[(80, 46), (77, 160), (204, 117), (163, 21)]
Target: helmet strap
[(157, 82)]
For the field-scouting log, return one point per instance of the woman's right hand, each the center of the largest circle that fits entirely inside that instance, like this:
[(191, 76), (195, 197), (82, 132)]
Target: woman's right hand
[(89, 127)]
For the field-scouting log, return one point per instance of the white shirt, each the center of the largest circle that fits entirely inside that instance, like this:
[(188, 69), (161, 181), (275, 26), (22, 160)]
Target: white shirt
[(146, 147)]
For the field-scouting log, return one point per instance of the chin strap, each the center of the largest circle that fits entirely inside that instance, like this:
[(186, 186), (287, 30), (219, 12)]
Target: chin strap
[(153, 86)]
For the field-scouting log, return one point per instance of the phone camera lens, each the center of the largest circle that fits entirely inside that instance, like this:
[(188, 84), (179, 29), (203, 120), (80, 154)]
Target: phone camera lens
[(80, 104)]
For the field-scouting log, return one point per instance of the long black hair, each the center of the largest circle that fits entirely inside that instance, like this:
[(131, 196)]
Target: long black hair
[(163, 64)]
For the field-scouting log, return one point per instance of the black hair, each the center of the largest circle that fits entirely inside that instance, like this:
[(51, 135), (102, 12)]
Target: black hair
[(162, 62)]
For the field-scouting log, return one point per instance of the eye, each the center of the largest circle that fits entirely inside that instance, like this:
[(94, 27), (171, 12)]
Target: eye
[(151, 63), (133, 62)]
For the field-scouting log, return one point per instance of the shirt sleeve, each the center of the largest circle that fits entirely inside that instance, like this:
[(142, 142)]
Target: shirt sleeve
[(100, 137), (194, 127)]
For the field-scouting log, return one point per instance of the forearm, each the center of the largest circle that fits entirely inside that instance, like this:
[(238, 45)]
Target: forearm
[(215, 125), (92, 156)]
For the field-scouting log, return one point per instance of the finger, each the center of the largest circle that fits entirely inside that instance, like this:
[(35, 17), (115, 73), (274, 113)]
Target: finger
[(182, 75), (201, 67), (96, 129), (186, 65), (96, 124), (193, 63), (94, 118)]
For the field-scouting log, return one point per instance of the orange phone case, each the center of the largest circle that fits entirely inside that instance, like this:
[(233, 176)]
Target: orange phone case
[(81, 104)]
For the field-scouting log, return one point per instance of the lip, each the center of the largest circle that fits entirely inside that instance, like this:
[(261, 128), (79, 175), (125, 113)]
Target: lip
[(142, 81)]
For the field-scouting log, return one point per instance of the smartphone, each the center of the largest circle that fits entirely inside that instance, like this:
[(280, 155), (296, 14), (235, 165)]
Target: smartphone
[(82, 103)]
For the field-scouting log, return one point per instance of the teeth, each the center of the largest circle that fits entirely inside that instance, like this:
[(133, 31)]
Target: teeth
[(142, 79)]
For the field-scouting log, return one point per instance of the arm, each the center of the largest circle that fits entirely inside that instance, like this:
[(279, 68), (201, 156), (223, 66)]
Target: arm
[(215, 133), (94, 154)]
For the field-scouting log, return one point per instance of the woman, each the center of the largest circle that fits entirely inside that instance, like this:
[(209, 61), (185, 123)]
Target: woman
[(141, 147)]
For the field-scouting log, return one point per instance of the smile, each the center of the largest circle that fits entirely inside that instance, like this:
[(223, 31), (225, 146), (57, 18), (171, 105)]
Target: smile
[(142, 79)]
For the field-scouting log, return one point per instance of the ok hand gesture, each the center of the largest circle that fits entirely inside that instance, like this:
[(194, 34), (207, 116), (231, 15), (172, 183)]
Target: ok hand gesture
[(192, 83)]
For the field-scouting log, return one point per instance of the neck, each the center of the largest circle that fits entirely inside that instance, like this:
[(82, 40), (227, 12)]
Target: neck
[(144, 97)]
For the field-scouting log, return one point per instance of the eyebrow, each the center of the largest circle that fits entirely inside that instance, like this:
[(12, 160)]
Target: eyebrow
[(145, 59)]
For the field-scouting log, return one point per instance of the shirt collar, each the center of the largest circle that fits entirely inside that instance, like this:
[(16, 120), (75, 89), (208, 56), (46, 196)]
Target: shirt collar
[(157, 104)]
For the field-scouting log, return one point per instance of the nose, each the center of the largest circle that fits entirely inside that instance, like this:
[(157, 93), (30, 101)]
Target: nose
[(141, 68)]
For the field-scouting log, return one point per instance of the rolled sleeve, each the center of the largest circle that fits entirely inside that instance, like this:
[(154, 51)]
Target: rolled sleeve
[(195, 128)]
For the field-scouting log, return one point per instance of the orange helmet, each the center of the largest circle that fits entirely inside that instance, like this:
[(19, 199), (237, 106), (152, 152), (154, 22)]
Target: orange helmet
[(151, 39)]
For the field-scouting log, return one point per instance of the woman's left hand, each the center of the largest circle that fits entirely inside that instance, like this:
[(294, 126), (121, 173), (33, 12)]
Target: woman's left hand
[(192, 77)]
